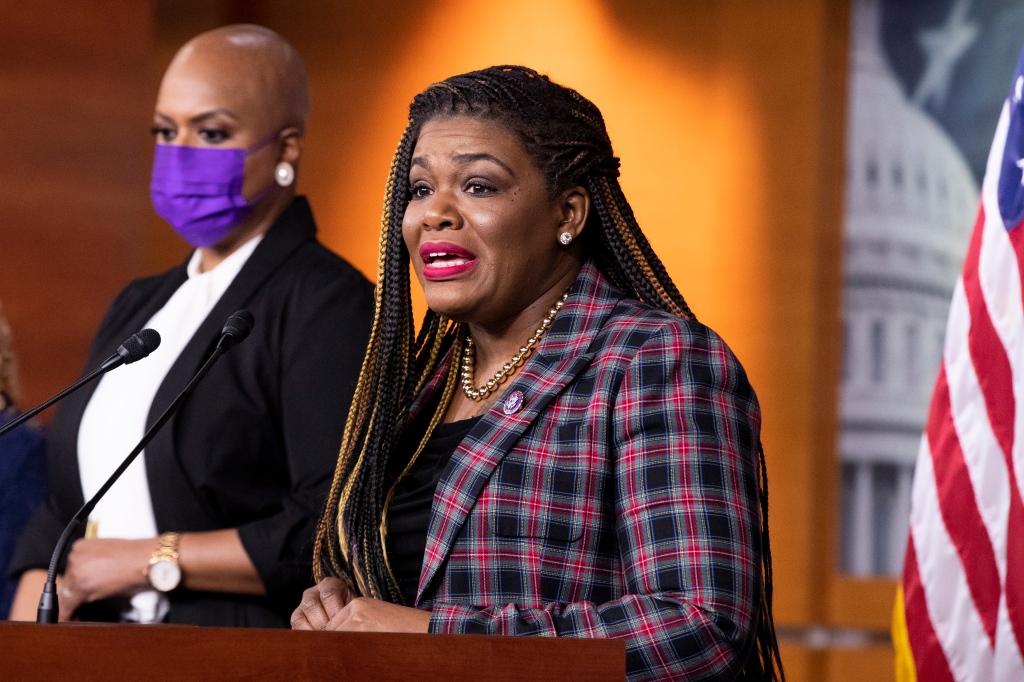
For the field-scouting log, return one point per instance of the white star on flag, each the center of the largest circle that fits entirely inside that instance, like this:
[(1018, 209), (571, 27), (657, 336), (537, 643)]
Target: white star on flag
[(944, 46)]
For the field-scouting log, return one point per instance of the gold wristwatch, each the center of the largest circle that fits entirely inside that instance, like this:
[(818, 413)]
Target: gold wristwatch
[(164, 572)]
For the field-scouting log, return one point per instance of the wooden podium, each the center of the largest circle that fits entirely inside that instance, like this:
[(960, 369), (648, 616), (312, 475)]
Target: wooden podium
[(154, 653)]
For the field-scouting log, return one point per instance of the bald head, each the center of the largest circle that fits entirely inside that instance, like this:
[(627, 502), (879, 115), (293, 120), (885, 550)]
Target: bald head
[(253, 69), (239, 87)]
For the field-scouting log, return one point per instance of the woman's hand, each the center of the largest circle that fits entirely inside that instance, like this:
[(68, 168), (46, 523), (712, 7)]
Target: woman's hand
[(100, 568), (320, 604), (372, 615), (329, 605)]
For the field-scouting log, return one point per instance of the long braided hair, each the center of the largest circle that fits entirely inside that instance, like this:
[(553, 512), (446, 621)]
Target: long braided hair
[(565, 135)]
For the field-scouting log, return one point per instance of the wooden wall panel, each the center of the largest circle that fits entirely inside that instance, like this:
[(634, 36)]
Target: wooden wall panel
[(73, 180)]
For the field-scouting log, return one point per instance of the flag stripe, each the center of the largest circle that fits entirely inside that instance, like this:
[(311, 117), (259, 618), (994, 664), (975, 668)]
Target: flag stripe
[(981, 451), (1009, 666), (929, 658), (1000, 275), (986, 465), (960, 511), (964, 569), (993, 285), (943, 578), (987, 468), (1015, 569), (994, 372)]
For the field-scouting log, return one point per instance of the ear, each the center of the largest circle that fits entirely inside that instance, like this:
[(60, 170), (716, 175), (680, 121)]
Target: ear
[(574, 207), (292, 140)]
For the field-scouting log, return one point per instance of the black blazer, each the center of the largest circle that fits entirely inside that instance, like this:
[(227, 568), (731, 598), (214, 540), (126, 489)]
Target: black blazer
[(255, 446)]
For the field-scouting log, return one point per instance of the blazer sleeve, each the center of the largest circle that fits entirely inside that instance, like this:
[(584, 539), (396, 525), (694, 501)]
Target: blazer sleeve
[(38, 539), (321, 354), (684, 429)]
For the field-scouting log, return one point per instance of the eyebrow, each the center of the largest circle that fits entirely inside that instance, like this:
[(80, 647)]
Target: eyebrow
[(482, 156), (466, 158)]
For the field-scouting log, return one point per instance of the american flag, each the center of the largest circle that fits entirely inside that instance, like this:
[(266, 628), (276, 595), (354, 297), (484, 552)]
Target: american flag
[(960, 610)]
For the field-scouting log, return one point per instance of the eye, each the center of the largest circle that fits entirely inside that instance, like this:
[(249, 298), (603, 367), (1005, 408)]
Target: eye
[(164, 133), (213, 135), (419, 190), (480, 187)]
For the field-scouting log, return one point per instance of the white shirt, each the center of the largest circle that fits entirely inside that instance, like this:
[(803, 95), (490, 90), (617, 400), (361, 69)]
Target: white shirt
[(115, 419)]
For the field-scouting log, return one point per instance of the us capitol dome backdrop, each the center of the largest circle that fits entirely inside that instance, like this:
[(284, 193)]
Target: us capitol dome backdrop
[(911, 201)]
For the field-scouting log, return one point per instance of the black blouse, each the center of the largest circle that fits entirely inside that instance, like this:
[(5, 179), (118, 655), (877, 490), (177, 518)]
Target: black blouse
[(409, 511)]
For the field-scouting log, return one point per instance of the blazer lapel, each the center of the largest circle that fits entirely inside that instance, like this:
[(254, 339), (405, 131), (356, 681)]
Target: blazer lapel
[(559, 359), (70, 411), (293, 228), (106, 346)]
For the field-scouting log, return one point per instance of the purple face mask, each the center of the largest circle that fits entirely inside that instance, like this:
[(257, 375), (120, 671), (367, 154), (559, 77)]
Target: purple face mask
[(198, 190)]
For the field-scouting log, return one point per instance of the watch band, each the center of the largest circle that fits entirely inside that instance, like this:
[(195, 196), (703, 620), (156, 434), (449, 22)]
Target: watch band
[(168, 549)]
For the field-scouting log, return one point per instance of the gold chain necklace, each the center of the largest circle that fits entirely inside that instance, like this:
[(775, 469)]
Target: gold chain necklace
[(510, 367)]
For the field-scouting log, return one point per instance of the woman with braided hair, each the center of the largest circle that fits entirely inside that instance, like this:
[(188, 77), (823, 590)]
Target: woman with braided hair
[(562, 449)]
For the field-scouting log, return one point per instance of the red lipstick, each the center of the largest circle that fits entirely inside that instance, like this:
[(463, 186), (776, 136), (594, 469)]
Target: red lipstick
[(444, 260)]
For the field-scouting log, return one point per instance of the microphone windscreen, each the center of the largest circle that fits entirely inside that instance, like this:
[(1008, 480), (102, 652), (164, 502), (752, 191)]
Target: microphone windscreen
[(238, 325), (139, 345)]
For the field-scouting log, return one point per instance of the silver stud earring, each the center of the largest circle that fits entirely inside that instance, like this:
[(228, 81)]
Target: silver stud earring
[(284, 174), (565, 238)]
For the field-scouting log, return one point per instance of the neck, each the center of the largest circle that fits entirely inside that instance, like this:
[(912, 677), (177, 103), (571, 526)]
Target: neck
[(258, 222), (496, 343)]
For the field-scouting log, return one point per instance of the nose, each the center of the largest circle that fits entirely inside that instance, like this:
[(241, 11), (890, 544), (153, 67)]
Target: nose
[(440, 212)]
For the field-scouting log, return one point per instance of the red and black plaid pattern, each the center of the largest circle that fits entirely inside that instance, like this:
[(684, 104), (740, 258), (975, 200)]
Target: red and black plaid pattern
[(621, 500)]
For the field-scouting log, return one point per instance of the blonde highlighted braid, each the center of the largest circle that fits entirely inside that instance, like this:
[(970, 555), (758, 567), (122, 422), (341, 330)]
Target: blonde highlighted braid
[(565, 136)]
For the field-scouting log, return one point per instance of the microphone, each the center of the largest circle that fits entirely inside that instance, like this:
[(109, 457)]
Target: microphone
[(138, 346), (235, 330)]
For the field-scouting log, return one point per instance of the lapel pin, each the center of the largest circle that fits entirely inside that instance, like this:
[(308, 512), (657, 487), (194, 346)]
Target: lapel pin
[(513, 401)]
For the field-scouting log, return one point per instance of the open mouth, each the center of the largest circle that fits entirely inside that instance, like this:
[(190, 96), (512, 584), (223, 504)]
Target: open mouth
[(442, 260)]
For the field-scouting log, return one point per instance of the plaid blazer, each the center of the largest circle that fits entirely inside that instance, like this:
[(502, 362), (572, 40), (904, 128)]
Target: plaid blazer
[(619, 500)]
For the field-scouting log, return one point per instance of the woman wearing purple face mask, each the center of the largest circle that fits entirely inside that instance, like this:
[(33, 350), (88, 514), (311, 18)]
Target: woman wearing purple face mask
[(212, 524)]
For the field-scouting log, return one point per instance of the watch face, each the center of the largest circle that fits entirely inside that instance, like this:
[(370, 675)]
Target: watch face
[(164, 575)]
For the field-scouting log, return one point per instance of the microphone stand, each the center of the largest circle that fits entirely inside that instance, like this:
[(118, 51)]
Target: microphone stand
[(137, 347), (39, 408), (49, 607)]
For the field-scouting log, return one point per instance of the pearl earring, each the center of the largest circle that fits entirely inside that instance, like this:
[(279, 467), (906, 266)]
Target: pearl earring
[(565, 238), (284, 174)]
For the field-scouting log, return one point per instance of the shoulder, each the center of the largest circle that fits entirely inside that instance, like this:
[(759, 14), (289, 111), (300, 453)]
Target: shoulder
[(314, 264), (636, 325), (142, 289), (654, 348), (136, 295)]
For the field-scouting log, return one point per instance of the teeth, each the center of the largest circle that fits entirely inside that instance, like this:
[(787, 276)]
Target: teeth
[(449, 263), (443, 259)]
